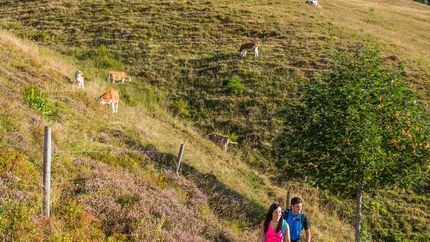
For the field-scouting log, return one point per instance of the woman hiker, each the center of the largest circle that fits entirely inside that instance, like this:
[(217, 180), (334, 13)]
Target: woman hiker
[(274, 228)]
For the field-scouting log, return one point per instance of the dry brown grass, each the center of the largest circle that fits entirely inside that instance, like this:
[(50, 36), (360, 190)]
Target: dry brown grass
[(398, 28), (401, 23)]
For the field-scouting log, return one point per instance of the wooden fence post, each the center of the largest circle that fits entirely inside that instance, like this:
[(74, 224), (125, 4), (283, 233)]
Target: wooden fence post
[(288, 203), (178, 164), (47, 171)]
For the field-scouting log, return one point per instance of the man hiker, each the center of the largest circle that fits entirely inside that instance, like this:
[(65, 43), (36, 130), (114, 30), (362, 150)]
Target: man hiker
[(297, 220)]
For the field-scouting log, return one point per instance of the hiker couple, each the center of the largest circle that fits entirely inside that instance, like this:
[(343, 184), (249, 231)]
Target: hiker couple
[(285, 226)]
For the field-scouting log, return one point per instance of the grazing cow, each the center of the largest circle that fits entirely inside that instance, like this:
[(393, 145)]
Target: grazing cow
[(121, 76), (221, 140), (313, 3), (110, 97), (79, 79), (248, 47)]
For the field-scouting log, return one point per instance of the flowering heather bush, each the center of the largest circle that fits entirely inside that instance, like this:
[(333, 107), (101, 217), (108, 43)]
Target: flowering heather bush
[(16, 212), (133, 206), (17, 200)]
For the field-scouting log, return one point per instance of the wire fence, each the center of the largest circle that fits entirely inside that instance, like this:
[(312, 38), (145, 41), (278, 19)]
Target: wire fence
[(142, 151), (164, 161)]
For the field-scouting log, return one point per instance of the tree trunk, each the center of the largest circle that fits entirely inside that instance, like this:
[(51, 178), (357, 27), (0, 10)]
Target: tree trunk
[(358, 214)]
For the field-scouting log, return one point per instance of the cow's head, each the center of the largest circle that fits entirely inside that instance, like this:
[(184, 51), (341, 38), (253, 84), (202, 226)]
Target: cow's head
[(102, 100)]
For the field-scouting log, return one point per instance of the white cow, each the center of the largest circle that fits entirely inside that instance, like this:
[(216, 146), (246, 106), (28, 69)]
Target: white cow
[(313, 3), (79, 79)]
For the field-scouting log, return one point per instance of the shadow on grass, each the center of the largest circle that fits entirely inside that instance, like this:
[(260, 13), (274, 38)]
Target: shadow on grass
[(226, 202), (218, 57), (215, 66), (223, 200)]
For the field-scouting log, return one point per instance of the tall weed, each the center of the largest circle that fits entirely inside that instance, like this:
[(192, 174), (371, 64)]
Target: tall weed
[(38, 101)]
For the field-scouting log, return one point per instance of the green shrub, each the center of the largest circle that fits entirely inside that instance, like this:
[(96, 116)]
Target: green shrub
[(13, 161), (235, 85), (37, 100), (125, 160), (40, 36), (128, 200), (129, 99), (108, 62), (102, 58), (100, 51), (424, 1), (16, 222), (233, 136), (13, 26), (180, 108)]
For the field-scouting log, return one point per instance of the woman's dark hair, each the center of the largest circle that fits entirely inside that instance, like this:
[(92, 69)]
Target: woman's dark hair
[(272, 208)]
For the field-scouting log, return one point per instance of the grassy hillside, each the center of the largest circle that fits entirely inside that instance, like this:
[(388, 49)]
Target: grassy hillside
[(188, 50), (113, 173)]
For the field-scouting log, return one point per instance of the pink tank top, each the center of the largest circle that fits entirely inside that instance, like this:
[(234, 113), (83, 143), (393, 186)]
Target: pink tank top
[(272, 236)]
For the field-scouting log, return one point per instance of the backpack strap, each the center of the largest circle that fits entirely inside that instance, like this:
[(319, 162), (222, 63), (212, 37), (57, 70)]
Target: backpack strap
[(284, 228), (303, 219), (285, 214)]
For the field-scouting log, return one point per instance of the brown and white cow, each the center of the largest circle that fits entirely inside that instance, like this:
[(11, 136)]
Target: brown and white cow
[(248, 47), (110, 97), (121, 76), (221, 140)]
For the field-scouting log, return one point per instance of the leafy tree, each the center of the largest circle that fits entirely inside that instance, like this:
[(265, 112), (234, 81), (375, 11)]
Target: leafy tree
[(424, 1), (359, 129)]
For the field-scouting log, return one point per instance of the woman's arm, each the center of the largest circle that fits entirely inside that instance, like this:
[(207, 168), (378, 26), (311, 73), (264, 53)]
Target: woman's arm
[(287, 235), (261, 233)]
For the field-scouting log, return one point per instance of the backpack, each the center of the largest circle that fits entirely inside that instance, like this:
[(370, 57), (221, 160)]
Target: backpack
[(295, 222)]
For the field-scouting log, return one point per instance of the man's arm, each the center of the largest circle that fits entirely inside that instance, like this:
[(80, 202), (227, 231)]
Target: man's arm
[(308, 235), (307, 227)]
